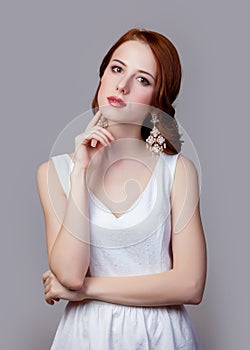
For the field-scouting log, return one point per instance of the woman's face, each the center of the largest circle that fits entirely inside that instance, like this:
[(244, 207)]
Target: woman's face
[(128, 83)]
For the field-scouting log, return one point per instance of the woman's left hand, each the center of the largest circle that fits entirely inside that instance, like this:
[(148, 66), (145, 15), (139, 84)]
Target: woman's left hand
[(54, 290)]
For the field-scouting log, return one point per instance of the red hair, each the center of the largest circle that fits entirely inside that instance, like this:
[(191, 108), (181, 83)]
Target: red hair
[(168, 81)]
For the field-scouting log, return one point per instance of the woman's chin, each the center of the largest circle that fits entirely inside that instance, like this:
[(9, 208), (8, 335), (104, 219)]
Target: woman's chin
[(131, 113), (113, 114)]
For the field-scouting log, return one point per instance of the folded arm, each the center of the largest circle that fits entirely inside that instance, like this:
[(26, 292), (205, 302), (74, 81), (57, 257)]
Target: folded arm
[(184, 284)]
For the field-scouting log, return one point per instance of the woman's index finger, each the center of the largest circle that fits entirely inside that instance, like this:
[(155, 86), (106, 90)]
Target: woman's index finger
[(94, 120)]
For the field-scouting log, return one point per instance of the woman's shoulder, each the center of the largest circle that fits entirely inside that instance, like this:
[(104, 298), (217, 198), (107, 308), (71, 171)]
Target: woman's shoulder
[(55, 173), (185, 170), (181, 166), (41, 178), (184, 163), (43, 167)]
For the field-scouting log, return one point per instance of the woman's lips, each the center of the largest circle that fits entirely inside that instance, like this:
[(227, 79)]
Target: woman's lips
[(116, 102)]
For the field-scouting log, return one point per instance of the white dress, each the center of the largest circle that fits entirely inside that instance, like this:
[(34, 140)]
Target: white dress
[(136, 243)]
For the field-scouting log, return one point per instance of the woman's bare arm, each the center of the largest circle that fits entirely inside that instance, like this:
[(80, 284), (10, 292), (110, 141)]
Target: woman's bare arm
[(65, 220)]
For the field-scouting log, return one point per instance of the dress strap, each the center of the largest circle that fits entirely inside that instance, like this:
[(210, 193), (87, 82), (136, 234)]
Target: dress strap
[(171, 164), (63, 165)]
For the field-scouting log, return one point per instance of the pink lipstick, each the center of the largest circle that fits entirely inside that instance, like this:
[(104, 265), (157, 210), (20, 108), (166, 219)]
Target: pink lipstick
[(116, 102)]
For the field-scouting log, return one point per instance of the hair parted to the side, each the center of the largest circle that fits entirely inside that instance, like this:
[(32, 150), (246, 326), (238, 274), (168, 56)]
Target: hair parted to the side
[(168, 82)]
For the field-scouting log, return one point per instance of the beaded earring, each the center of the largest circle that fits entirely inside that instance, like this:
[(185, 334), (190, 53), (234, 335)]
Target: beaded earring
[(156, 143)]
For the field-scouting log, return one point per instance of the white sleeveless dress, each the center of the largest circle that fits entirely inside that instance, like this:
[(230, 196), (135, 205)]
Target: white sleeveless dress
[(136, 243)]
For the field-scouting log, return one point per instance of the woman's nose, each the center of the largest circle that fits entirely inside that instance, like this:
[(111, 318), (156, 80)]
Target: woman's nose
[(123, 86)]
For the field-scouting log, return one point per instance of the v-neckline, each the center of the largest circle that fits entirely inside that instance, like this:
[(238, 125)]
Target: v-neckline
[(117, 218)]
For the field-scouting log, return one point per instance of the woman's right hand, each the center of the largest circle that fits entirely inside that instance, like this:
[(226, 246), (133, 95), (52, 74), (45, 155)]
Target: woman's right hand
[(90, 141), (54, 290)]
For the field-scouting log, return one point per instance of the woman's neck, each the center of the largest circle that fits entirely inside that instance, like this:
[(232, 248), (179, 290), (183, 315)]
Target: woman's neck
[(125, 131), (128, 143)]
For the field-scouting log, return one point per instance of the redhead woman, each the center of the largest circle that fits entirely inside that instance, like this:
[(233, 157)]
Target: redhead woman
[(125, 240)]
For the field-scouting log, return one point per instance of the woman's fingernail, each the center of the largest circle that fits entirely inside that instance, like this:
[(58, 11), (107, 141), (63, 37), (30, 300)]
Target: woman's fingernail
[(93, 142)]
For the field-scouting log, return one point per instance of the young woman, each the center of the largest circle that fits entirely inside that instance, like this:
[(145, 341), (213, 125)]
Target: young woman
[(125, 240)]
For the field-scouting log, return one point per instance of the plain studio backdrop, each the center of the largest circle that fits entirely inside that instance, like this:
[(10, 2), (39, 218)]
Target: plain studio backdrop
[(50, 55)]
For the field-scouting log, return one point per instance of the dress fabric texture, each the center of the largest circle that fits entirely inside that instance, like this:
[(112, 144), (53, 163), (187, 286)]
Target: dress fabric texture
[(136, 243)]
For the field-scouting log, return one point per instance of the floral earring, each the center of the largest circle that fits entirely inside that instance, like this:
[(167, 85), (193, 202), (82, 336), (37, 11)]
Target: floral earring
[(156, 143)]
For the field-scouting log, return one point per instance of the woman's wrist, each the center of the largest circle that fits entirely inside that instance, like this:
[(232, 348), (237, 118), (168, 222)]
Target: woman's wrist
[(86, 290), (78, 172), (77, 179)]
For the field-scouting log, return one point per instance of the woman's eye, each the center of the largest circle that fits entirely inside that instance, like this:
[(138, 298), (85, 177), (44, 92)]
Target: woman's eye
[(144, 81), (116, 69)]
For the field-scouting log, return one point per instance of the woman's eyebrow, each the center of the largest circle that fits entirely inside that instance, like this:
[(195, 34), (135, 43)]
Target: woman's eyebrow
[(140, 71), (115, 59)]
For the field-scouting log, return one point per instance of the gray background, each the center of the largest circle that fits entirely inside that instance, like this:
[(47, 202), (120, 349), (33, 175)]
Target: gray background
[(50, 54)]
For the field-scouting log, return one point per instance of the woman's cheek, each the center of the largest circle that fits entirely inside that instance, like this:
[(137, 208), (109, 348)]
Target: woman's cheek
[(101, 93), (144, 97), (107, 88)]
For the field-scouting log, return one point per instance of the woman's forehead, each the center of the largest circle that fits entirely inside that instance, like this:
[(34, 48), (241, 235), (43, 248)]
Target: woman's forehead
[(137, 54)]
